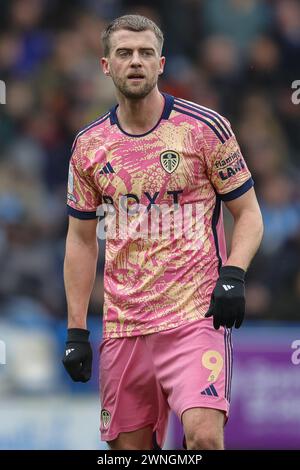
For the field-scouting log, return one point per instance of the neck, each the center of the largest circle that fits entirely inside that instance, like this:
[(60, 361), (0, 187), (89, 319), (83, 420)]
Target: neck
[(140, 116)]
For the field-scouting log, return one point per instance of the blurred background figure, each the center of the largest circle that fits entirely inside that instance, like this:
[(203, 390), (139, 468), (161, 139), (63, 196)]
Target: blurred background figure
[(239, 57)]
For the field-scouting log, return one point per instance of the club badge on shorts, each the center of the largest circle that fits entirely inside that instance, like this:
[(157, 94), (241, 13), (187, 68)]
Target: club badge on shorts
[(105, 418), (169, 160)]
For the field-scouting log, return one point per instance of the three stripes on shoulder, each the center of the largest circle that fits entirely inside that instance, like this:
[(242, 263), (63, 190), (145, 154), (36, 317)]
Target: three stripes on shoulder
[(209, 117)]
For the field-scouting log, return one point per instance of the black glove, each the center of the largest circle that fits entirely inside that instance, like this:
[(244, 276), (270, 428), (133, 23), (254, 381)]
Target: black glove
[(227, 304), (78, 355)]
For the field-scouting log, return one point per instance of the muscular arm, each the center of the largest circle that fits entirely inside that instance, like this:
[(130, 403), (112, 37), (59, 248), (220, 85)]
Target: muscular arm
[(80, 269), (247, 231)]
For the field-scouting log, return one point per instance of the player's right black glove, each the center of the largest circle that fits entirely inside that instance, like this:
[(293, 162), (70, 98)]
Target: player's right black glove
[(78, 355), (227, 306)]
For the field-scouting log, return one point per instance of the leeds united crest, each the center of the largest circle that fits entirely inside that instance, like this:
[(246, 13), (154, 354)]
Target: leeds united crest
[(169, 160), (105, 418)]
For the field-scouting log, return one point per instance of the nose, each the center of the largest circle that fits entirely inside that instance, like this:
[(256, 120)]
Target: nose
[(135, 59)]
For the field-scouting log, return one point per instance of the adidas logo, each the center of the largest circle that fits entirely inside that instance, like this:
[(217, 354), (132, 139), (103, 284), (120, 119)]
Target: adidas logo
[(227, 287), (107, 169), (211, 391), (68, 351)]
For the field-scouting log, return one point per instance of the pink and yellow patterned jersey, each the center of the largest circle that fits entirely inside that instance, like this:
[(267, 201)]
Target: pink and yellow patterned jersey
[(159, 197)]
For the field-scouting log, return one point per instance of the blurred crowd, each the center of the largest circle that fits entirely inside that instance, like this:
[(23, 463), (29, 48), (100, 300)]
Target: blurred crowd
[(238, 57)]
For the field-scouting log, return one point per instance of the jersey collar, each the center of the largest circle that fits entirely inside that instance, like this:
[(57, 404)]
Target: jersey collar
[(169, 101)]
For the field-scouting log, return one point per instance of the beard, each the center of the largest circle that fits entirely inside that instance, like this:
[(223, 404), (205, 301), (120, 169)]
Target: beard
[(131, 92)]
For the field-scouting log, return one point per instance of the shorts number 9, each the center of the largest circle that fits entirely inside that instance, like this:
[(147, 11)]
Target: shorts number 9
[(213, 361)]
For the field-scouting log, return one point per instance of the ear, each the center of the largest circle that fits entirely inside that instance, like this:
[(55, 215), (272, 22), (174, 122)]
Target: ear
[(162, 62), (105, 66)]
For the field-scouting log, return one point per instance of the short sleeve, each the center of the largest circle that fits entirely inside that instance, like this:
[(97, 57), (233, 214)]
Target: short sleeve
[(82, 198), (226, 166)]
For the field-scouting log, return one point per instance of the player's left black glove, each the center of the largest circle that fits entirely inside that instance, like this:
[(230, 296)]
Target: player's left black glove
[(78, 355), (227, 305)]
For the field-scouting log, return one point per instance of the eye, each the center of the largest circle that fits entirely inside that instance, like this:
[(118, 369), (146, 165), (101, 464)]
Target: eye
[(124, 53), (147, 53)]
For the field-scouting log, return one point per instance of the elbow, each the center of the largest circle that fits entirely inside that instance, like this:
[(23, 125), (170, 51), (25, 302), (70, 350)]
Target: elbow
[(76, 247), (260, 227), (252, 220)]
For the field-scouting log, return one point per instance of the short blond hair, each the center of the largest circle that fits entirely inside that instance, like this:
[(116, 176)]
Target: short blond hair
[(130, 23)]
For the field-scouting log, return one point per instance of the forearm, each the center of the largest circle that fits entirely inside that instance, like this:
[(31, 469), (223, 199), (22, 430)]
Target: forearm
[(246, 238), (79, 276)]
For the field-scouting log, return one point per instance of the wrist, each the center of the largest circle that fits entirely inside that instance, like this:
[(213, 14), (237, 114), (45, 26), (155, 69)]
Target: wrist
[(77, 321), (78, 335), (233, 272)]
